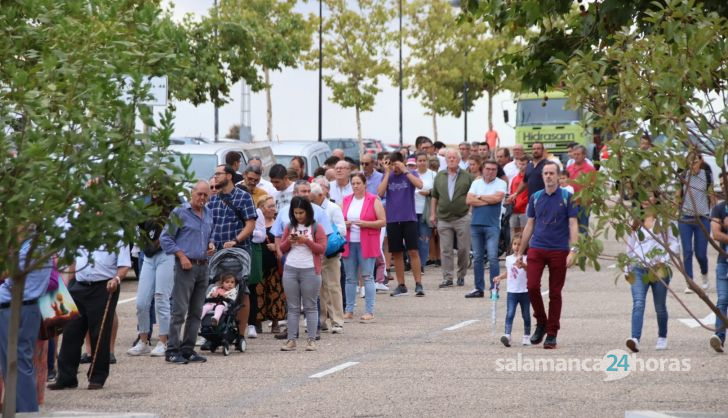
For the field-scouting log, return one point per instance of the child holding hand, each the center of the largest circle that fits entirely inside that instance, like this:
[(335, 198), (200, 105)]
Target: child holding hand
[(515, 274)]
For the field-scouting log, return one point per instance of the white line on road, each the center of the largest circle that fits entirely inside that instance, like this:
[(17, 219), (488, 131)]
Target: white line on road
[(544, 293), (334, 369), (461, 325), (126, 300)]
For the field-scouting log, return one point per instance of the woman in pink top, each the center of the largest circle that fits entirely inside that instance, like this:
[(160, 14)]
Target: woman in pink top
[(365, 217)]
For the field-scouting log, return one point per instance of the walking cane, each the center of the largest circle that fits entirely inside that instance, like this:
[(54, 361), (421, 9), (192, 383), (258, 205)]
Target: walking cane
[(101, 333)]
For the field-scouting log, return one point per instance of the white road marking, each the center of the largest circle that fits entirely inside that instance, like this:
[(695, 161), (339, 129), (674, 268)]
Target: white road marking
[(612, 266), (461, 325), (126, 300), (690, 322), (334, 369)]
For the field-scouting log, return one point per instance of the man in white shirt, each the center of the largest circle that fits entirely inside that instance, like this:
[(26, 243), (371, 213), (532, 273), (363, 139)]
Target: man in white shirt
[(341, 186), (284, 187), (503, 158), (331, 300), (263, 184), (98, 277)]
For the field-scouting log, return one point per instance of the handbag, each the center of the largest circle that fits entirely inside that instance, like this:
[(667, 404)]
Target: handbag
[(256, 264), (335, 244), (56, 308)]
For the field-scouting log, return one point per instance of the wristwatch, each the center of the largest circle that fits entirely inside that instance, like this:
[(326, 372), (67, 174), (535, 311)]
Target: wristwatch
[(573, 249)]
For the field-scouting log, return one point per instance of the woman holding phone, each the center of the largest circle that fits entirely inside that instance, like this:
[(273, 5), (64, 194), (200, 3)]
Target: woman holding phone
[(304, 242)]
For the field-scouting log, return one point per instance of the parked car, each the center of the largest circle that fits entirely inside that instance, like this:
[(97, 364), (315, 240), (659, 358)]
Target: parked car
[(188, 140), (314, 153), (349, 145), (205, 157)]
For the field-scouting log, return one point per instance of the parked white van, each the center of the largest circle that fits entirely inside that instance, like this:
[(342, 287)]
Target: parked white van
[(205, 157), (314, 153)]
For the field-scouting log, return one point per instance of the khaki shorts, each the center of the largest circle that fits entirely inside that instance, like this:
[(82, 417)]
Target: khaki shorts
[(518, 220)]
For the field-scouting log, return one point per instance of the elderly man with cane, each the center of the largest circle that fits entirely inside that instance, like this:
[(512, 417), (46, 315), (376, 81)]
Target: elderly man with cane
[(98, 275)]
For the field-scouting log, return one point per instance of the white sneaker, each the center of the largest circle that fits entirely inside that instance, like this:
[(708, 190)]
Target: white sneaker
[(381, 287), (336, 329), (661, 344), (160, 350), (140, 349), (526, 340), (706, 282), (361, 292), (252, 333), (200, 341), (688, 291), (633, 344)]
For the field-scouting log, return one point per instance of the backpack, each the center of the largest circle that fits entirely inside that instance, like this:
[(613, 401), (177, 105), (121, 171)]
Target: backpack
[(564, 196)]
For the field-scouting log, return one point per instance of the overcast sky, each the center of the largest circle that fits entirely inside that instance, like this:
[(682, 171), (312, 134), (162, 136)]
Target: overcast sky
[(295, 108)]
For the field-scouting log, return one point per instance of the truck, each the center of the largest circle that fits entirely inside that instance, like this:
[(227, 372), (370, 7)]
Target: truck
[(542, 117)]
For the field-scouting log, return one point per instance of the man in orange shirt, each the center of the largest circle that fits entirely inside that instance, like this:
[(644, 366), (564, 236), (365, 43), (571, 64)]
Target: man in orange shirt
[(579, 168), (492, 138)]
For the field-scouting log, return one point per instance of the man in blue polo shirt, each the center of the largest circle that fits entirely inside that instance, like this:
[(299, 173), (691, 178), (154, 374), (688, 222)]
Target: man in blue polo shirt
[(486, 198), (550, 233)]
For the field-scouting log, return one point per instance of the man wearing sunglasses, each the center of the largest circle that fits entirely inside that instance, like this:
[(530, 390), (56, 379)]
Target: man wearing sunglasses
[(550, 235), (374, 177)]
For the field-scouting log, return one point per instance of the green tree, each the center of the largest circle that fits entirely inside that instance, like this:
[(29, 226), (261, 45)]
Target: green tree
[(665, 75), (557, 29), (430, 34), (279, 37), (63, 123), (355, 51)]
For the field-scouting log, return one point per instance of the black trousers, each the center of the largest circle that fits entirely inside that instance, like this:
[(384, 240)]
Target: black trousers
[(91, 300)]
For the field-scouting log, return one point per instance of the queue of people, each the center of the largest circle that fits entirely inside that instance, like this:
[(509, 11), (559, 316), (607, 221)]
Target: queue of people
[(398, 207)]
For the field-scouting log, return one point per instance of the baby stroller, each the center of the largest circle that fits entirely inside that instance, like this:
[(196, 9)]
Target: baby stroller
[(234, 261)]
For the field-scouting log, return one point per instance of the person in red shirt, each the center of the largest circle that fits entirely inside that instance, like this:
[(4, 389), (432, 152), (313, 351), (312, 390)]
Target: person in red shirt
[(579, 168), (518, 217)]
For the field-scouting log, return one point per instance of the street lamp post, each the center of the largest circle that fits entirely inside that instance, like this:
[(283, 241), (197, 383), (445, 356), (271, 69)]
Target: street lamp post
[(217, 116), (400, 73), (320, 76)]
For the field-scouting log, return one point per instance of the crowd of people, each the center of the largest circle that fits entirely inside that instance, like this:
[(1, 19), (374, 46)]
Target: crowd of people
[(316, 245)]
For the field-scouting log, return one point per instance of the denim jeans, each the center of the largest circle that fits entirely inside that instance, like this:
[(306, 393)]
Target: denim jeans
[(639, 295), (356, 264), (423, 243), (582, 218), (156, 280), (515, 299), (484, 239), (693, 239), (721, 287)]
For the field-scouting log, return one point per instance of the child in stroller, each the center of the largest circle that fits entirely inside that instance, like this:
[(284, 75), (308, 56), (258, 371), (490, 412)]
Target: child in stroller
[(219, 297), (230, 262)]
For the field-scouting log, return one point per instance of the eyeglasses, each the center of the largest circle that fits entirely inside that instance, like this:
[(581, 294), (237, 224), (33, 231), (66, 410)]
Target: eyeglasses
[(213, 187), (366, 164)]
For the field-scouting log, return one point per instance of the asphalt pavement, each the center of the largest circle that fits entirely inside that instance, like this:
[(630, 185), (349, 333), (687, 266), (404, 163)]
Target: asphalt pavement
[(430, 357)]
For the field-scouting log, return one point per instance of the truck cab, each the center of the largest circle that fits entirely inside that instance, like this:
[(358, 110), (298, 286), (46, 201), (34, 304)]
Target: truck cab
[(544, 118)]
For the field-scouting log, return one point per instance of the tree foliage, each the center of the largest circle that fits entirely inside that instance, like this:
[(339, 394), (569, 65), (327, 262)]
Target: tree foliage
[(668, 79), (355, 50), (557, 29)]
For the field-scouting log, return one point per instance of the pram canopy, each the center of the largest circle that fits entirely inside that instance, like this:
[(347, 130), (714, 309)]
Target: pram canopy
[(230, 260)]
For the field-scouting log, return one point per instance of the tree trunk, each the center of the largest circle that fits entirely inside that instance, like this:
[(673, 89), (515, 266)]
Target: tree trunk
[(11, 381), (269, 104), (358, 131), (434, 126), (490, 109)]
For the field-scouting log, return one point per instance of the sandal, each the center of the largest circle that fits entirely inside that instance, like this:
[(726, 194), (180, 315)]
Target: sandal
[(367, 318)]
